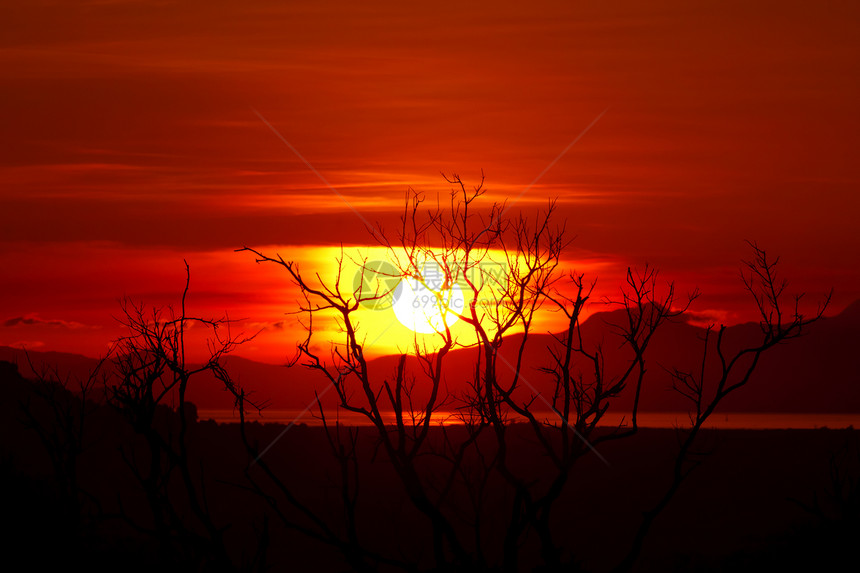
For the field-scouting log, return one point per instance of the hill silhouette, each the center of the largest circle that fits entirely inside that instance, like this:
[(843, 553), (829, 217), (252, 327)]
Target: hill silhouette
[(815, 373)]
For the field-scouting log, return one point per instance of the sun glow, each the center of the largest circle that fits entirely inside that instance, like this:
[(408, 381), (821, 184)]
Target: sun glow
[(400, 305), (427, 306)]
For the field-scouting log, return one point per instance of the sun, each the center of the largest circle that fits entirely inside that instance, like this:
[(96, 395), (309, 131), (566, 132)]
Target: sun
[(421, 308)]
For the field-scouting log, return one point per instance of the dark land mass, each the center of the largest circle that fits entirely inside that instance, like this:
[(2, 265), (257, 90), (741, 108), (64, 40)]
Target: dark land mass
[(734, 513), (815, 373)]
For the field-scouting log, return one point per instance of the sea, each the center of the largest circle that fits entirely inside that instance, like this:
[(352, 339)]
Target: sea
[(728, 421)]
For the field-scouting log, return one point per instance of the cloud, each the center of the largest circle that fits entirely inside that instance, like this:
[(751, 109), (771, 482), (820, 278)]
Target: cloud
[(266, 326), (712, 317), (26, 344), (35, 320)]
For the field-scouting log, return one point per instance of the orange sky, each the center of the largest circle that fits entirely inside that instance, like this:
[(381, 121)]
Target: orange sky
[(129, 142)]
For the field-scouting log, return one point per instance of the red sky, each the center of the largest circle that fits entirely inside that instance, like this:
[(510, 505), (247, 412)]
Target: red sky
[(129, 142)]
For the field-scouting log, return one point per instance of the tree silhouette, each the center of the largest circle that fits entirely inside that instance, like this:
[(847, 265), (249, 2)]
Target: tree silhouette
[(719, 378), (152, 376), (457, 239)]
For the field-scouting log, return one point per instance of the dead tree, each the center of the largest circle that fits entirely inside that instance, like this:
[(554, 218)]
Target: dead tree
[(459, 248), (459, 239), (152, 377), (722, 374), (499, 400), (582, 392)]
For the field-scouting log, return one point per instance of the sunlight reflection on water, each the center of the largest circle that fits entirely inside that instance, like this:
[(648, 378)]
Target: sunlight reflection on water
[(731, 420)]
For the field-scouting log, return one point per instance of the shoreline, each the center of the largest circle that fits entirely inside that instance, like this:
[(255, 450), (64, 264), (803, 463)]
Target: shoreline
[(651, 420)]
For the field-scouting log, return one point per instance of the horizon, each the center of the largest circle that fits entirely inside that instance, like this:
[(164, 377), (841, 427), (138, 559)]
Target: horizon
[(249, 354)]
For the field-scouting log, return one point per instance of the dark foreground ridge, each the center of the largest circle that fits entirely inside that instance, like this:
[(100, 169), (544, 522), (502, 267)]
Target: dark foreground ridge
[(762, 499)]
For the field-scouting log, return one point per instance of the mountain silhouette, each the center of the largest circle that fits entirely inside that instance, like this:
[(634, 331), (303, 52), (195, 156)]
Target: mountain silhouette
[(814, 373)]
